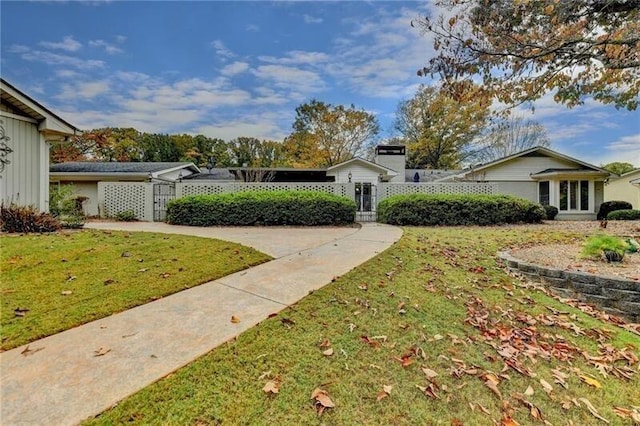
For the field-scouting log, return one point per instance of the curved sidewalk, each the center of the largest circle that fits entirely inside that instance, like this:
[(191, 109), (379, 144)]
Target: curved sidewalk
[(66, 378)]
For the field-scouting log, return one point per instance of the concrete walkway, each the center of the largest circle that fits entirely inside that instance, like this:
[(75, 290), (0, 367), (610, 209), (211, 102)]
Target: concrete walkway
[(66, 378)]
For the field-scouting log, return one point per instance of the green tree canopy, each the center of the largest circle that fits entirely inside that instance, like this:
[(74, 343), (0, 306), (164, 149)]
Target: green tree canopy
[(618, 168), (334, 133), (439, 127)]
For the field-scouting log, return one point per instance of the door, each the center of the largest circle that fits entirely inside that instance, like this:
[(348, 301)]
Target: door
[(162, 194), (365, 202)]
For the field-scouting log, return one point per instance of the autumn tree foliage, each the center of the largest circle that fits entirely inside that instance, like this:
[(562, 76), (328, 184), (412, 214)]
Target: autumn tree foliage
[(439, 127), (523, 49), (330, 134)]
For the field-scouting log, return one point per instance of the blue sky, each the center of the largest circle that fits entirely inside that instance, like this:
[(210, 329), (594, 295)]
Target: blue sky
[(229, 69)]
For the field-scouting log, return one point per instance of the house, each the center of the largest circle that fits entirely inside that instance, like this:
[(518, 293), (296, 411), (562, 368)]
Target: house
[(626, 187), (542, 175), (85, 175), (27, 130)]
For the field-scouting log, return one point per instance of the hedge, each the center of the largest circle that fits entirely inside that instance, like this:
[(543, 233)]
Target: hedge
[(450, 210), (610, 206), (626, 214), (262, 208), (552, 212)]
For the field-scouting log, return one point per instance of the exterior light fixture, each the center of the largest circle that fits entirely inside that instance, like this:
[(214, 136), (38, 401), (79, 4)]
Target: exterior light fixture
[(349, 176), (180, 176)]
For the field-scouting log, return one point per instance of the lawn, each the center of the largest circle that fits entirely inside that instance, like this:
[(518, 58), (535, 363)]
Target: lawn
[(432, 331), (53, 282)]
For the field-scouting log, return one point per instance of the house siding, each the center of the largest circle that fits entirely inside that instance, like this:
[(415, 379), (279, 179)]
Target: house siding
[(519, 169), (359, 173), (526, 190), (621, 190), (18, 182)]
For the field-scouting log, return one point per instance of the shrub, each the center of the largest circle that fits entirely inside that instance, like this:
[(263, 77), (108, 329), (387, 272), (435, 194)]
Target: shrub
[(450, 210), (126, 216), (552, 212), (75, 221), (609, 206), (15, 218), (62, 200), (598, 245), (262, 208), (626, 214)]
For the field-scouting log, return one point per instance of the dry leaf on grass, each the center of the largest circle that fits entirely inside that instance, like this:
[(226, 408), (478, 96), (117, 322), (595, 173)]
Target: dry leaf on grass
[(590, 381), (385, 392), (272, 386), (593, 410), (321, 400), (429, 373), (328, 352)]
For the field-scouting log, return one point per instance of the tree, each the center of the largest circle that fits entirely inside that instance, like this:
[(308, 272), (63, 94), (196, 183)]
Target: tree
[(523, 49), (335, 133), (159, 147), (509, 136), (618, 167), (439, 127)]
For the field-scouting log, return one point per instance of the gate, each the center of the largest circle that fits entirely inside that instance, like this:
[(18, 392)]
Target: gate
[(366, 202), (162, 194)]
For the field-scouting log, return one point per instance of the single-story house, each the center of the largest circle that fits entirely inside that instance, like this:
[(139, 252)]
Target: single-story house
[(542, 175), (85, 175), (27, 129), (626, 187)]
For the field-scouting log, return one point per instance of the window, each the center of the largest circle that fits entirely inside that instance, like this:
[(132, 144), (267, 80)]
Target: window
[(574, 195), (543, 193)]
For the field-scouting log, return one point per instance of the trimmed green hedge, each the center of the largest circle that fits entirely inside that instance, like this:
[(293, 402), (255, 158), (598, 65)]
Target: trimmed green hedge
[(611, 206), (450, 210), (262, 208), (627, 214)]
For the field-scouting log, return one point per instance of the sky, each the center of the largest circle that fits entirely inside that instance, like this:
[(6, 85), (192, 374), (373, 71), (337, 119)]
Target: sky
[(227, 69)]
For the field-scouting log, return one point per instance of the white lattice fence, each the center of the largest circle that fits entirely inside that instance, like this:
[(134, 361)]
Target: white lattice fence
[(116, 197), (387, 190), (203, 188)]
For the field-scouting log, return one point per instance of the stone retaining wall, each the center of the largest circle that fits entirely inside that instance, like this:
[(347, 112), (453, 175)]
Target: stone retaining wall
[(614, 295)]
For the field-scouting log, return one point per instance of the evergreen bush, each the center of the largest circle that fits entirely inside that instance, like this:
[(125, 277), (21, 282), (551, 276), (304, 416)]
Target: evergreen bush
[(451, 210), (610, 206), (262, 208), (626, 214)]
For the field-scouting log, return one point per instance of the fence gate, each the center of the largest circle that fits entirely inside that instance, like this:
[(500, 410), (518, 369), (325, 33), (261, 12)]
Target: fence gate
[(162, 194), (366, 202)]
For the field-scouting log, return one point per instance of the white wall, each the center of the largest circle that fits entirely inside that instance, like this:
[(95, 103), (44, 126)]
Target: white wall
[(621, 190), (359, 173), (25, 179), (397, 163), (520, 169)]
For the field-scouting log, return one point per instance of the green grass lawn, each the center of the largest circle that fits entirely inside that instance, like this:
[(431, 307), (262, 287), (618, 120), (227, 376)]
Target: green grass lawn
[(53, 282), (436, 300)]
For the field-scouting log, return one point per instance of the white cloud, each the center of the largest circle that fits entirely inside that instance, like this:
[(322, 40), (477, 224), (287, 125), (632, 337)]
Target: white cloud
[(256, 127), (297, 57), (111, 49), (57, 59), (68, 43), (252, 28), (290, 78), (308, 19), (221, 49), (234, 68)]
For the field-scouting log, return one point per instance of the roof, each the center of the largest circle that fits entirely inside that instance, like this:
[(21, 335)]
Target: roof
[(367, 163), (48, 122), (213, 174), (538, 149), (90, 167), (428, 175)]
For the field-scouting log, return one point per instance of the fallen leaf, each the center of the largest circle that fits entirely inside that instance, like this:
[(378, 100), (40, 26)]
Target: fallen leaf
[(27, 351), (328, 352), (143, 270), (546, 386), (322, 400), (529, 391), (593, 410), (288, 322), (387, 388), (272, 386), (429, 390), (20, 312), (101, 352), (66, 292), (429, 373), (108, 281), (590, 381), (234, 319), (125, 254)]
